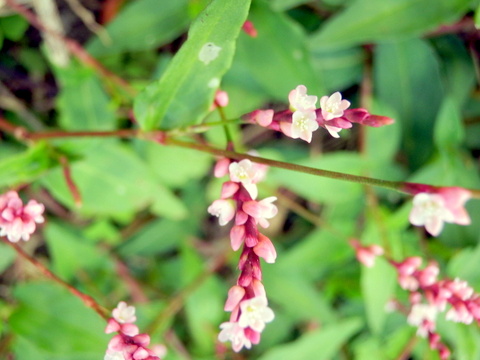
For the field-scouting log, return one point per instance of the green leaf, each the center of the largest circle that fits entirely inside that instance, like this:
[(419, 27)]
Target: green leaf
[(279, 5), (338, 69), (378, 20), (142, 25), (176, 166), (27, 166), (449, 132), (477, 17), (278, 57), (112, 180), (407, 78), (185, 92), (70, 251), (13, 27), (378, 284), (57, 324), (203, 306), (319, 344), (7, 255), (82, 102)]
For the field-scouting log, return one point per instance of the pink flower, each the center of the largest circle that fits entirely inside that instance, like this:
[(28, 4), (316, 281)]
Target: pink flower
[(255, 313), (265, 249), (16, 220), (299, 100), (366, 254), (235, 295), (262, 117), (249, 29), (223, 209), (233, 332), (333, 106)]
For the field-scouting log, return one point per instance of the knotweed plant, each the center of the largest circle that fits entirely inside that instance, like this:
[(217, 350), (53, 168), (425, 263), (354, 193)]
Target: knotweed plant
[(112, 206)]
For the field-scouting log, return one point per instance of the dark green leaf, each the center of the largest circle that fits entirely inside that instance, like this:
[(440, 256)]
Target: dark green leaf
[(142, 25), (407, 78)]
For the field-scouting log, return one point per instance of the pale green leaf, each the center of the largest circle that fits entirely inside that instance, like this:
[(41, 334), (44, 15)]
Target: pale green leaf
[(26, 166), (185, 92), (320, 344)]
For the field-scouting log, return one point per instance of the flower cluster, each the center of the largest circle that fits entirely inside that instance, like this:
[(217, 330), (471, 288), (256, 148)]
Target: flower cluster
[(432, 206), (303, 118), (247, 300), (430, 296), (128, 344), (18, 221)]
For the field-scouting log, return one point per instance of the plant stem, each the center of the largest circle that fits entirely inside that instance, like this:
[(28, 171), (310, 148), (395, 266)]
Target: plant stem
[(87, 300), (164, 139)]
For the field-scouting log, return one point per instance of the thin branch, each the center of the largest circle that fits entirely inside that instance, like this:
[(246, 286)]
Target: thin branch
[(87, 300)]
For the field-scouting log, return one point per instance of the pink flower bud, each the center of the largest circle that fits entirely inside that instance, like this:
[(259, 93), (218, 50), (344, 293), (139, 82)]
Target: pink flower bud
[(261, 117), (237, 235), (140, 354), (229, 188), (249, 29), (221, 167), (235, 295), (258, 288), (112, 326), (265, 249)]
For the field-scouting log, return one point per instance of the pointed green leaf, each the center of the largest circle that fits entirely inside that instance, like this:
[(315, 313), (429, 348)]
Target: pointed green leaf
[(185, 92), (375, 20), (449, 132)]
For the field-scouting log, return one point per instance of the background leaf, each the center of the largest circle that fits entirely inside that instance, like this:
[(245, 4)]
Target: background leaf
[(185, 92)]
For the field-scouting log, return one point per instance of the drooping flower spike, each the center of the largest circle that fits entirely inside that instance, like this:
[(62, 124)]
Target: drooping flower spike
[(247, 301)]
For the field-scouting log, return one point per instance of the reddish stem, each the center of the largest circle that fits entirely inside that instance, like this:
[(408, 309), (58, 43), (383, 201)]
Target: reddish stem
[(87, 300)]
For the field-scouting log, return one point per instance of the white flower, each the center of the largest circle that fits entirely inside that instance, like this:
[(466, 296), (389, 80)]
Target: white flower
[(233, 332), (303, 124), (255, 313), (223, 209), (124, 314), (333, 106), (117, 355), (423, 316), (430, 210), (299, 100)]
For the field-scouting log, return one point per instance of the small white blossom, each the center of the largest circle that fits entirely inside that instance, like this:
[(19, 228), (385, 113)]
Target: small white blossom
[(299, 100), (333, 106), (423, 316), (255, 313), (430, 210), (233, 332), (117, 355), (223, 209), (304, 124), (124, 314)]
